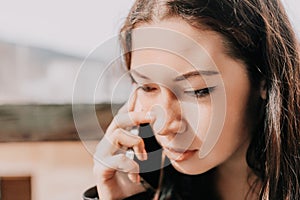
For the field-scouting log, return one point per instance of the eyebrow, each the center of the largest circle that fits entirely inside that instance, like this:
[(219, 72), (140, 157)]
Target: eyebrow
[(195, 73), (184, 76), (138, 74)]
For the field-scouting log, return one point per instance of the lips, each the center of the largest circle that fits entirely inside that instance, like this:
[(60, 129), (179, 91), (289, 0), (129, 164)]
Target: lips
[(178, 154)]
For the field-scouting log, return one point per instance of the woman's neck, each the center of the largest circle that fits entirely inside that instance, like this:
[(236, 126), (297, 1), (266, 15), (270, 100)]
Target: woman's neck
[(235, 179)]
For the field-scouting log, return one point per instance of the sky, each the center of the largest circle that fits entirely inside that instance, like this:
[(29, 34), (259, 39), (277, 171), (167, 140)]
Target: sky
[(74, 27)]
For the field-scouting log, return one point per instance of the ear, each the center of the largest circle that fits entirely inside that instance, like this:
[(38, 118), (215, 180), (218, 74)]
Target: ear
[(263, 89)]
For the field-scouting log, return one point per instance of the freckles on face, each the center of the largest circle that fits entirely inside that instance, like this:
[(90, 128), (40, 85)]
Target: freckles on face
[(204, 101)]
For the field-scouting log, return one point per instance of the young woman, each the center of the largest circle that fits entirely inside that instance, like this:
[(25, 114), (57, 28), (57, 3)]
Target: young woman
[(250, 46)]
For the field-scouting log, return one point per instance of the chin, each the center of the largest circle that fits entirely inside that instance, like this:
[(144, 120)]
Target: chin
[(188, 168)]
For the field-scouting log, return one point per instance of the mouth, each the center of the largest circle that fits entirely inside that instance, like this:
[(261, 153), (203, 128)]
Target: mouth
[(178, 155)]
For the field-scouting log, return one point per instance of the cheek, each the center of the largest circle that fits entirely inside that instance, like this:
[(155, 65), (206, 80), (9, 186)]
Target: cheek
[(238, 97), (198, 117), (236, 128)]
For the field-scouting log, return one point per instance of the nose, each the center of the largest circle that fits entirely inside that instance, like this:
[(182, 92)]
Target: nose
[(169, 119)]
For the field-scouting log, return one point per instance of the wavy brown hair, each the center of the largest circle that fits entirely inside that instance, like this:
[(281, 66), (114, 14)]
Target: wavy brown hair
[(259, 33)]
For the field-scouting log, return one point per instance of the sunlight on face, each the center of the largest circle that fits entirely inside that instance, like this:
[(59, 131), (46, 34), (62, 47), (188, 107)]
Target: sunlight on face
[(203, 93)]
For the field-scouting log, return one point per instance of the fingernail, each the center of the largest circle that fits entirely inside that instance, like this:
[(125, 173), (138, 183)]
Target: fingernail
[(135, 130), (138, 178), (130, 154), (145, 155), (139, 156), (149, 116), (133, 178)]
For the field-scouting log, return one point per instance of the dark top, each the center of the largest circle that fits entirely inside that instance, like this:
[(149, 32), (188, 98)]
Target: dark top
[(176, 186), (92, 194)]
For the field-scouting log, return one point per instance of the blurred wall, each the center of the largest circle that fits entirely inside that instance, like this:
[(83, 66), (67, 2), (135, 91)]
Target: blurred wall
[(59, 170)]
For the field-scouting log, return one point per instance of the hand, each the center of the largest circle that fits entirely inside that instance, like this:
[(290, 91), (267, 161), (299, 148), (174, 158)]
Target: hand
[(117, 176)]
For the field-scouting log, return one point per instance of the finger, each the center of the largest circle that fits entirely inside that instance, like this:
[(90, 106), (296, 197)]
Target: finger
[(134, 177), (128, 140), (130, 119), (104, 147), (120, 141), (108, 167), (130, 104), (124, 108)]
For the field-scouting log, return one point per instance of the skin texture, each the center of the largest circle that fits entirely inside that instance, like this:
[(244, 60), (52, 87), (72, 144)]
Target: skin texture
[(173, 109)]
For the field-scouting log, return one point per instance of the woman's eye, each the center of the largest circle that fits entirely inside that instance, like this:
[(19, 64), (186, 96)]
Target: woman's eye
[(147, 88), (201, 92)]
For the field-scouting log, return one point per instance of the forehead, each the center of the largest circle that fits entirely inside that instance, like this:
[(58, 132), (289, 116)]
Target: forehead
[(175, 44)]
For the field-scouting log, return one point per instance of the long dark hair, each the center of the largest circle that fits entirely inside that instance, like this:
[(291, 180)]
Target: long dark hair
[(259, 33)]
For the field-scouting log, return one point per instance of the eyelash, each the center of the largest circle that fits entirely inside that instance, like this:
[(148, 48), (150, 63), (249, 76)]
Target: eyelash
[(146, 88), (201, 93)]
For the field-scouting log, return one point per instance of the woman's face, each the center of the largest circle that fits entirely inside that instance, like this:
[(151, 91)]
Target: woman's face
[(198, 95)]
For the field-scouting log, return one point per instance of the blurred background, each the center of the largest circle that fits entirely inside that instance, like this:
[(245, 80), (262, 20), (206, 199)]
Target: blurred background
[(43, 45)]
